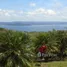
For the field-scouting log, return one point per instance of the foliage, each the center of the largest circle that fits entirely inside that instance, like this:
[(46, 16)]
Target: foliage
[(56, 41), (20, 48), (13, 49)]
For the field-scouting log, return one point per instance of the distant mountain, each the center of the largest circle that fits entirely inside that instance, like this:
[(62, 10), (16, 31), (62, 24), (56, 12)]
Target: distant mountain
[(33, 23)]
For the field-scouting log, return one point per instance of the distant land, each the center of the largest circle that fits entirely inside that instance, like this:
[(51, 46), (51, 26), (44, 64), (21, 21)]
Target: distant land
[(32, 23)]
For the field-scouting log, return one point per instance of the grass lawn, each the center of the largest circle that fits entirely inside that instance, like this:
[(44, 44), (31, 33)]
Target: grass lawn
[(54, 64)]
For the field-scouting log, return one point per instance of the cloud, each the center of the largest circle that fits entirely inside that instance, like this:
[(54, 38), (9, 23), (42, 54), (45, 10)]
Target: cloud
[(7, 14), (42, 14), (42, 11), (20, 12), (32, 4), (51, 12), (63, 13), (39, 14), (10, 12)]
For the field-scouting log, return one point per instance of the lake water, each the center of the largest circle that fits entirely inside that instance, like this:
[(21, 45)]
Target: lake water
[(37, 28)]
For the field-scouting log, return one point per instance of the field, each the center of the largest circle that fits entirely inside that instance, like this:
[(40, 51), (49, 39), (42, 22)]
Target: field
[(54, 64)]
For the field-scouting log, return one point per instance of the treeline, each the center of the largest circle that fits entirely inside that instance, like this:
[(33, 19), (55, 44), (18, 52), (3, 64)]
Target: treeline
[(21, 48)]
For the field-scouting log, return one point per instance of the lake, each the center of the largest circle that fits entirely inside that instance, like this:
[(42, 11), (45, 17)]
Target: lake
[(37, 28)]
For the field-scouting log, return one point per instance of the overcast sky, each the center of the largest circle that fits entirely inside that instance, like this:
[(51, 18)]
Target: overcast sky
[(33, 10)]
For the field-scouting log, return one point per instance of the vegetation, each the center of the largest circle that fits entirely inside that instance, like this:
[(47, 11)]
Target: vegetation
[(13, 49), (55, 64), (19, 49)]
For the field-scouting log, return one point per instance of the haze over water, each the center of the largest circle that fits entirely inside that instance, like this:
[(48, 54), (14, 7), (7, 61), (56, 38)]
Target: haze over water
[(36, 27)]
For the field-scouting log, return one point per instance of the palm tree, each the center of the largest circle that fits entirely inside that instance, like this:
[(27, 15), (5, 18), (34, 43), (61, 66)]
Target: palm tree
[(52, 41), (14, 49), (42, 37), (62, 38)]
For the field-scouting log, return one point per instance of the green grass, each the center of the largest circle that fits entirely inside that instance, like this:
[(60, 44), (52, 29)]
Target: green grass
[(54, 64)]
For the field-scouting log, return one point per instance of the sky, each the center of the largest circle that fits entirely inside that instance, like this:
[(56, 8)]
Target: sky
[(33, 10)]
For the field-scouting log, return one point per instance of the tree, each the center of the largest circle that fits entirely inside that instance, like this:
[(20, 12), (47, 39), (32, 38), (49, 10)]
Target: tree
[(52, 41), (62, 37), (40, 39), (13, 49)]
